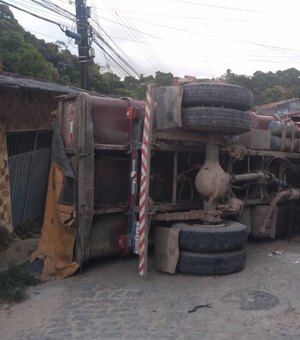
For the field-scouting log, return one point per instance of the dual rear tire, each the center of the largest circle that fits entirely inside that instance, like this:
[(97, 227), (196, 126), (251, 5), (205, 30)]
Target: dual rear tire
[(211, 250), (216, 108)]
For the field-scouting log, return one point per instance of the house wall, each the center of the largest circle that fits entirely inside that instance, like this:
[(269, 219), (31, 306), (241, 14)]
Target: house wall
[(21, 109), (26, 109)]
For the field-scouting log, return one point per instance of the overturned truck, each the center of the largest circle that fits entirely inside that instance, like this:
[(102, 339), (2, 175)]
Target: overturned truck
[(192, 171)]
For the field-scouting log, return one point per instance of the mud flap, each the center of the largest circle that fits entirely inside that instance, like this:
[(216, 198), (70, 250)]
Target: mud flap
[(168, 107), (166, 249)]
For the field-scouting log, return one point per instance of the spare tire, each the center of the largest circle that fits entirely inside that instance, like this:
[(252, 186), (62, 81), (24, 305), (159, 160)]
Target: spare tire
[(216, 120), (219, 95), (211, 263), (204, 238)]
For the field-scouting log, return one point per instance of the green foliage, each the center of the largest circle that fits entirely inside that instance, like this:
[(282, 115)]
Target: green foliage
[(11, 43), (24, 54), (7, 20), (269, 87), (163, 79), (13, 284), (31, 63)]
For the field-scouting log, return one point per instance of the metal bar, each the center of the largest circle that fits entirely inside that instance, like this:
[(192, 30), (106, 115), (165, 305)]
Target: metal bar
[(190, 137), (252, 152), (112, 147), (165, 207), (109, 210), (179, 146), (85, 176), (144, 220), (213, 216), (212, 153), (175, 170), (249, 177), (212, 156)]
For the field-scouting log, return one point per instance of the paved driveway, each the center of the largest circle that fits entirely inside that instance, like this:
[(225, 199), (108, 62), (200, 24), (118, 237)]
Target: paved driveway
[(110, 301)]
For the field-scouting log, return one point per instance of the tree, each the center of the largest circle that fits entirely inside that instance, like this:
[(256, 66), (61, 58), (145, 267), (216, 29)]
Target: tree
[(31, 63), (11, 43), (163, 79)]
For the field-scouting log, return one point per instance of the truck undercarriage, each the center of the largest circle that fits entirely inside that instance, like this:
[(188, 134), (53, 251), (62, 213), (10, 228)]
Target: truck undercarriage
[(202, 168)]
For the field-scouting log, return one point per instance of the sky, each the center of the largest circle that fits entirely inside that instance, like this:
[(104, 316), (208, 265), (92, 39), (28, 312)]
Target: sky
[(202, 38)]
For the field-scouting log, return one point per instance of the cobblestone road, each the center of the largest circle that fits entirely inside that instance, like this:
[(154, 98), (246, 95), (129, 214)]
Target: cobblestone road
[(110, 301)]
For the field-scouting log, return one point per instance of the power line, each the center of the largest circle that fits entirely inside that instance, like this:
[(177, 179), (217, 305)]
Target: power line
[(53, 5), (176, 16), (38, 10), (35, 15), (112, 58), (247, 42), (226, 7), (125, 56), (116, 53), (132, 34), (149, 51), (115, 22), (141, 42)]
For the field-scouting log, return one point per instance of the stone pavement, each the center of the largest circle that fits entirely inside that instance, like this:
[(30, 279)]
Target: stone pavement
[(110, 301)]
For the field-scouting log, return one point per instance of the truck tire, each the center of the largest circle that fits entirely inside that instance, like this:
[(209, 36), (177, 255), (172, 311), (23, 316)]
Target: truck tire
[(211, 263), (204, 238), (216, 120), (219, 95)]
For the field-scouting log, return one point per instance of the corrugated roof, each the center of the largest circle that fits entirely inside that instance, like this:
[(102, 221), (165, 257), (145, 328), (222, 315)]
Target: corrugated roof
[(276, 104), (9, 81)]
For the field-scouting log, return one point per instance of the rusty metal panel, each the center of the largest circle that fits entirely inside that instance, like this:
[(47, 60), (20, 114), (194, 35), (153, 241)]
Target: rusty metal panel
[(16, 83), (213, 216), (37, 185), (256, 139), (28, 160), (105, 234), (110, 122), (168, 107), (111, 178), (19, 167), (68, 122), (281, 108)]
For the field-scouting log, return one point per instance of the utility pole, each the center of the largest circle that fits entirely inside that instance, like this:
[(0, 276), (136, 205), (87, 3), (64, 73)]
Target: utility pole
[(83, 28)]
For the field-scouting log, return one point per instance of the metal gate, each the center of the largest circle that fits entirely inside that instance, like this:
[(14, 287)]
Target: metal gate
[(28, 161)]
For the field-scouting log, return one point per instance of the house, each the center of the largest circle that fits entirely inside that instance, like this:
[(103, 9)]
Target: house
[(25, 146)]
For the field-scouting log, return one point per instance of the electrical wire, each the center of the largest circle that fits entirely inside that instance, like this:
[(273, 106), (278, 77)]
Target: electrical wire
[(112, 58), (227, 8), (120, 52), (35, 15), (149, 52), (134, 34), (60, 25), (176, 16), (115, 22), (116, 53), (37, 9), (53, 5)]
